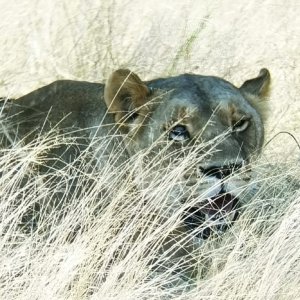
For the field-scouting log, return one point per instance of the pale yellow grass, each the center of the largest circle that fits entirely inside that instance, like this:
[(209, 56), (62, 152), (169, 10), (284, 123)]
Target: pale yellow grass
[(258, 258)]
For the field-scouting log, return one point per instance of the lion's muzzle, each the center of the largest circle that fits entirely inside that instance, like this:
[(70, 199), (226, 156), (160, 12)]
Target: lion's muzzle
[(218, 201)]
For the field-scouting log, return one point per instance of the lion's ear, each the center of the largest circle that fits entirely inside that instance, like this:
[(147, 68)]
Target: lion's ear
[(259, 86), (124, 95)]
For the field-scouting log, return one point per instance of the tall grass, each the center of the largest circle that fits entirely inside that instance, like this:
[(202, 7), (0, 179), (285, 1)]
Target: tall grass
[(79, 232)]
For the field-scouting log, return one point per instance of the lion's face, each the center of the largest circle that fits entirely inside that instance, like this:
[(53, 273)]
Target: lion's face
[(205, 118), (196, 133)]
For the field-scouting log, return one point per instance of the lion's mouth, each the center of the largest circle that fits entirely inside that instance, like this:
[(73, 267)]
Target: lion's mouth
[(213, 215)]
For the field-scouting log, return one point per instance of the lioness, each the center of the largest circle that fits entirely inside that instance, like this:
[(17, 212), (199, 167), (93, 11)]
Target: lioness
[(162, 117)]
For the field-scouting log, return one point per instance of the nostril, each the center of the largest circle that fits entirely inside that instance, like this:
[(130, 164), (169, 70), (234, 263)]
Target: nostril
[(222, 171), (226, 171), (231, 168), (213, 171), (236, 166)]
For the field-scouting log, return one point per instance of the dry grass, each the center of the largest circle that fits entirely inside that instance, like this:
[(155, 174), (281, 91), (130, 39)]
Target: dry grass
[(257, 258), (96, 236)]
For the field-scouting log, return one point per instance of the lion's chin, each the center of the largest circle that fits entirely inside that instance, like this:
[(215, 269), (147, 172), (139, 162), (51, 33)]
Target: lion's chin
[(213, 216)]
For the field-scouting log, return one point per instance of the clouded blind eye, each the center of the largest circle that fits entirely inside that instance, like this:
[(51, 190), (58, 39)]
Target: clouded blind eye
[(179, 133)]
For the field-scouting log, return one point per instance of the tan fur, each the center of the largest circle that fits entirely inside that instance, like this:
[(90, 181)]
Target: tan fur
[(126, 92)]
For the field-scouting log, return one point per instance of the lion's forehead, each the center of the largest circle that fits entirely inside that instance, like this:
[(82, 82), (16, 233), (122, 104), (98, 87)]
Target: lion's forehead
[(197, 93)]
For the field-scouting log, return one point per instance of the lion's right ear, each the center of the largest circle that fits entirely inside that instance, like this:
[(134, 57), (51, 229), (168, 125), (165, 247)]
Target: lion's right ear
[(125, 95)]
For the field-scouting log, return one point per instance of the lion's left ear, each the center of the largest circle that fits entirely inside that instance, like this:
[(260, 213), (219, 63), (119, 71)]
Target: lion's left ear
[(259, 86), (125, 95)]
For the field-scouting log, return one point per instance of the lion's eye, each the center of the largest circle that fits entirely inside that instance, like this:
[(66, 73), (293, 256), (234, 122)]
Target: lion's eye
[(241, 125), (179, 133)]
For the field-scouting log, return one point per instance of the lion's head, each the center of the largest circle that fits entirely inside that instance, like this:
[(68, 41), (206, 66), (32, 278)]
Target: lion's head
[(206, 118)]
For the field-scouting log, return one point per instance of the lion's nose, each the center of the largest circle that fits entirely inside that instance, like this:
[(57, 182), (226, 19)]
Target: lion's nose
[(221, 171)]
